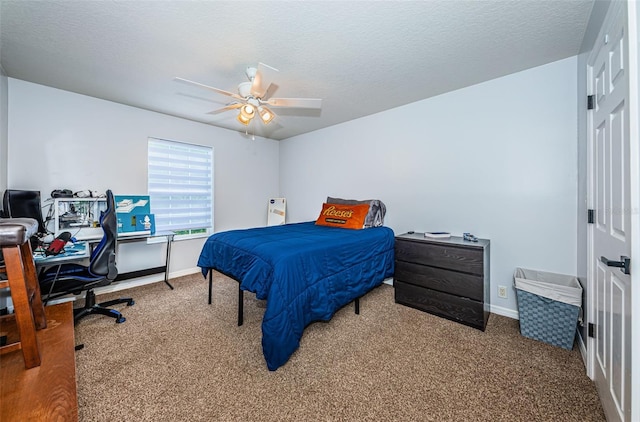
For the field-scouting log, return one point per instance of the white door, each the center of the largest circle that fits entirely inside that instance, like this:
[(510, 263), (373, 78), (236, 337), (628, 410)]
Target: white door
[(610, 235)]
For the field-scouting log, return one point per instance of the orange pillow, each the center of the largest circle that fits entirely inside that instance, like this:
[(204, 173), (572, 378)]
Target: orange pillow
[(345, 216)]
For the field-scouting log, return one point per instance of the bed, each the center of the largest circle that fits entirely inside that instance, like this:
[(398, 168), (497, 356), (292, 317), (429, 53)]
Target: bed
[(304, 271)]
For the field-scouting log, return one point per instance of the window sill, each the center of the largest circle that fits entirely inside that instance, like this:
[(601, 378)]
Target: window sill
[(190, 236), (176, 238)]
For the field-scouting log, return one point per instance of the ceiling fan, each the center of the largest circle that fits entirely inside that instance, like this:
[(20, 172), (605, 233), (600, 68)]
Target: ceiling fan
[(254, 96)]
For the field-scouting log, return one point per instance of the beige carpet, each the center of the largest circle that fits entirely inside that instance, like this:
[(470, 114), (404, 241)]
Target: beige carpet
[(178, 359)]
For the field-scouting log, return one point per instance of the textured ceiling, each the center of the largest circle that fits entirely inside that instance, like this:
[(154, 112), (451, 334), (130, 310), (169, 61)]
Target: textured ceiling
[(359, 57)]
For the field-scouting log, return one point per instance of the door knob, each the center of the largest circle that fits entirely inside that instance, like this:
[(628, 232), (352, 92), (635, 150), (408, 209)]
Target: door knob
[(624, 264)]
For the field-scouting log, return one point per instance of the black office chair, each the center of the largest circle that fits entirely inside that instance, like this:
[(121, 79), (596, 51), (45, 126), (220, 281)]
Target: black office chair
[(63, 279)]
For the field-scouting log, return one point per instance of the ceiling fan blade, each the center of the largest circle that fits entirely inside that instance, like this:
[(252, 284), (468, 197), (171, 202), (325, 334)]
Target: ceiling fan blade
[(295, 102), (226, 108), (219, 91), (270, 91), (261, 81)]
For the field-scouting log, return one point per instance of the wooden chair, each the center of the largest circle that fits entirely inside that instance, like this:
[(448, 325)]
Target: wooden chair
[(22, 281)]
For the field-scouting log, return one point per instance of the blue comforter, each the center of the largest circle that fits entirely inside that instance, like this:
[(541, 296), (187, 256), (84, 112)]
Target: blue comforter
[(305, 272)]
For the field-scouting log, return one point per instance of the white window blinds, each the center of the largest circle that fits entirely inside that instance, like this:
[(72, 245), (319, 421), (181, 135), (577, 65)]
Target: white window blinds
[(180, 184)]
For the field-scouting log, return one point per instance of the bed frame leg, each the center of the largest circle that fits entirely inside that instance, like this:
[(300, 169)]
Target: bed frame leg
[(210, 285), (357, 306), (240, 305)]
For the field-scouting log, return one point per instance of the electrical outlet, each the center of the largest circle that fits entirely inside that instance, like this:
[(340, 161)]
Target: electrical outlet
[(502, 292)]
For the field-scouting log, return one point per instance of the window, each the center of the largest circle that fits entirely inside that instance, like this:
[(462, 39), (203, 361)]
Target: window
[(180, 185)]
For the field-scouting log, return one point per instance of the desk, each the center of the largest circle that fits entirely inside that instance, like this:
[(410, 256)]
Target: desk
[(148, 271), (77, 252), (80, 251), (73, 253)]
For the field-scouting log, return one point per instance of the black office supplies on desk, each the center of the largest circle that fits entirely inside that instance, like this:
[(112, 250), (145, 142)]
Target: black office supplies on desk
[(25, 204), (61, 193)]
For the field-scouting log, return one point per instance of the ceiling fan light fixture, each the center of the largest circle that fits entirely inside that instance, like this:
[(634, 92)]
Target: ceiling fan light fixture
[(253, 95), (248, 111), (265, 114), (242, 119)]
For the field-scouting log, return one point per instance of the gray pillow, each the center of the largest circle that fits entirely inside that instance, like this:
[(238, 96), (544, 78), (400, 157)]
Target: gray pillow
[(377, 209)]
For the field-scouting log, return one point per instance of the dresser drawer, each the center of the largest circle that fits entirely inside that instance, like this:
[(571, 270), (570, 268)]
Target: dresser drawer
[(455, 308), (464, 259), (460, 284)]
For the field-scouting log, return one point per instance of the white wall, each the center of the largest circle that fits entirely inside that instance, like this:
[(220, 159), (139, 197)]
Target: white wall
[(58, 139), (498, 159)]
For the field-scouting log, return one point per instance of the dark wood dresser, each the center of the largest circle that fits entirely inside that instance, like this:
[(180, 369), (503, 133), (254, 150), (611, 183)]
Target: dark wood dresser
[(445, 277)]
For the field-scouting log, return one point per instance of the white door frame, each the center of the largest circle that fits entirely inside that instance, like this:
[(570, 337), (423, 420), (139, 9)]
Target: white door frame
[(634, 123)]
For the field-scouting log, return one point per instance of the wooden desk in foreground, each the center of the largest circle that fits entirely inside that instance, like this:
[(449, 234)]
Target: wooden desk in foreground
[(46, 392)]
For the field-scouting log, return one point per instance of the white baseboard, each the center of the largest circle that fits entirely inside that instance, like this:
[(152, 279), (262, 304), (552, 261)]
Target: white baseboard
[(127, 284), (142, 281), (499, 310), (582, 347)]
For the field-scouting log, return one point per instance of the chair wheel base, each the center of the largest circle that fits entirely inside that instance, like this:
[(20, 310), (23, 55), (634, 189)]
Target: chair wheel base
[(103, 308)]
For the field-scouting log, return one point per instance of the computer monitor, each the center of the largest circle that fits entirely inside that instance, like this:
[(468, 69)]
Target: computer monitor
[(24, 203)]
